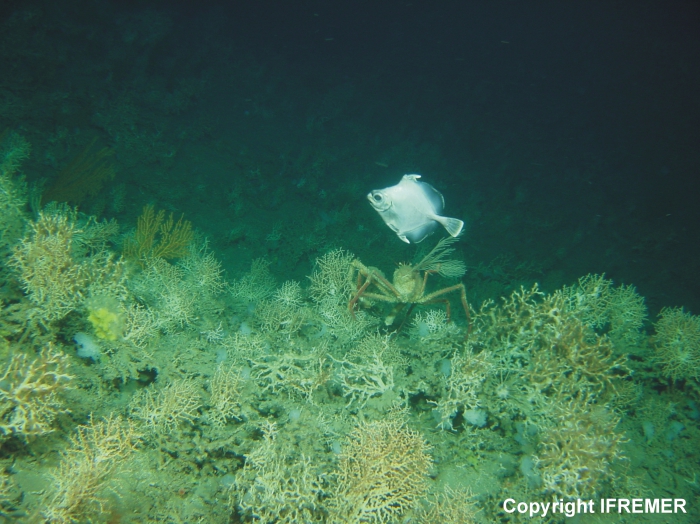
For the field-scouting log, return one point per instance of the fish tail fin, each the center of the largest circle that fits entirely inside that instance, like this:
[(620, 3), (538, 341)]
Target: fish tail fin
[(452, 225)]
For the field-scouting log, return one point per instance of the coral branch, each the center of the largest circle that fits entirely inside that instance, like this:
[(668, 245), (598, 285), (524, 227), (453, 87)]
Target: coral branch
[(83, 177), (28, 392), (95, 453), (382, 473), (158, 237)]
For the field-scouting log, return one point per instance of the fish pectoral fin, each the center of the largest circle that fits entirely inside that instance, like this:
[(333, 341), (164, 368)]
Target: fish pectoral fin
[(453, 226), (403, 237)]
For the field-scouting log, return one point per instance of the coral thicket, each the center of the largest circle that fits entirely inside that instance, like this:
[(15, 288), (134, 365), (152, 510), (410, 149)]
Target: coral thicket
[(53, 277), (14, 149), (577, 448), (158, 237), (677, 343), (80, 484), (30, 392), (283, 400), (276, 485), (382, 473)]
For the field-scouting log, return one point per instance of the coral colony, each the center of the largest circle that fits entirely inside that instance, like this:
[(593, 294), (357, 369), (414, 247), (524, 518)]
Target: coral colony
[(149, 384)]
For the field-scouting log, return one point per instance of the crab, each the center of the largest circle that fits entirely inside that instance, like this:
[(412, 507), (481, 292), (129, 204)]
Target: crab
[(407, 287)]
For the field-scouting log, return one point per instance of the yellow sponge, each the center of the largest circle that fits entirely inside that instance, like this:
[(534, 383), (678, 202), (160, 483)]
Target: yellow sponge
[(106, 322)]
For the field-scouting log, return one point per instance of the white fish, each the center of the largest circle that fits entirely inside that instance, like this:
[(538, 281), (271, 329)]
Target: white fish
[(412, 209)]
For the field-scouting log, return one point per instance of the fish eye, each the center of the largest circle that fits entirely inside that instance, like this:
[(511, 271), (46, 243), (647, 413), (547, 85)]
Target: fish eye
[(377, 197)]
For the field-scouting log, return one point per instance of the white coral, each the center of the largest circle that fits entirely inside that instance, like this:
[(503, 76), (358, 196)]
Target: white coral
[(331, 278), (362, 381), (432, 324), (255, 285), (29, 390), (289, 294), (163, 410), (204, 270)]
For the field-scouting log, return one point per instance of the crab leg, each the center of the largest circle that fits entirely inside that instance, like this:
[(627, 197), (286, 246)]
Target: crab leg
[(462, 295), (360, 291), (425, 281), (391, 317), (389, 286), (406, 316)]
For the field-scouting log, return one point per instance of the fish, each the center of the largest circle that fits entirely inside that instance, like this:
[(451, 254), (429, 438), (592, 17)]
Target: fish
[(412, 209)]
